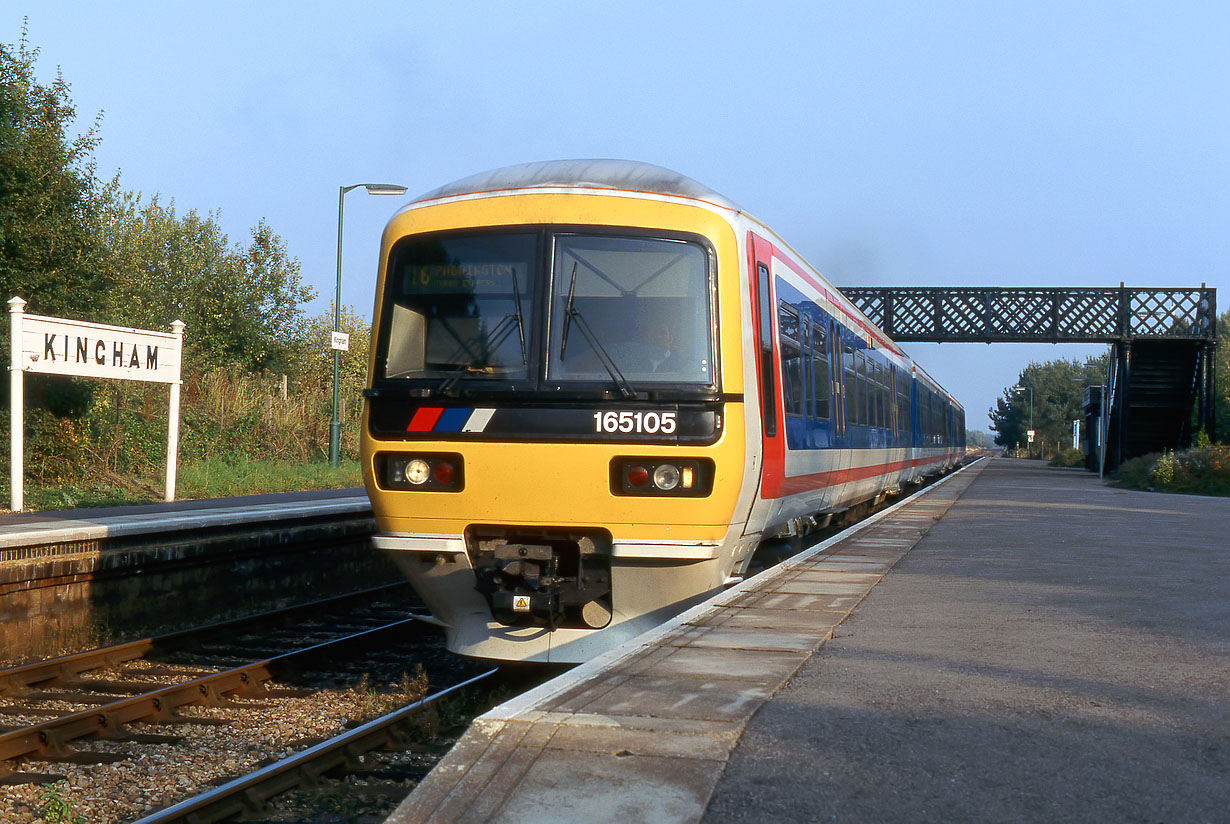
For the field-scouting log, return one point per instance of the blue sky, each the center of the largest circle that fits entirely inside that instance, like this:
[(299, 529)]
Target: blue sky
[(928, 143)]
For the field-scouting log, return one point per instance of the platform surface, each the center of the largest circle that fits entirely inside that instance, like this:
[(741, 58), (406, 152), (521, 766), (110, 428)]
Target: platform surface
[(1020, 644), (19, 529)]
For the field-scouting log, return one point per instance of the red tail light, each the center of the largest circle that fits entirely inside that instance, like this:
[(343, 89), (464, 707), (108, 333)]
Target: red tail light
[(637, 475)]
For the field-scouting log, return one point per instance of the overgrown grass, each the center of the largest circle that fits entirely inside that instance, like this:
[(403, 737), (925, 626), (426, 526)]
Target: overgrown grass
[(216, 478), (240, 434), (1201, 471), (211, 478)]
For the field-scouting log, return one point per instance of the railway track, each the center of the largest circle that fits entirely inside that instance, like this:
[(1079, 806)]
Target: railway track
[(247, 796), (256, 689), (18, 680)]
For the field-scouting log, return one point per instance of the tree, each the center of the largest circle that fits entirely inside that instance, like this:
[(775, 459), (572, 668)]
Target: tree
[(243, 306), (312, 364), (1055, 389), (47, 192), (978, 439)]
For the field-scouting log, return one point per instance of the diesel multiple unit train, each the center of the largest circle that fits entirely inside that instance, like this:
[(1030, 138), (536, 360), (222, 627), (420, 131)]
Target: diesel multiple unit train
[(598, 386)]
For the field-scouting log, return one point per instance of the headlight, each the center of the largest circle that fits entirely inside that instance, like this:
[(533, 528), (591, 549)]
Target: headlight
[(420, 472), (666, 477), (417, 472)]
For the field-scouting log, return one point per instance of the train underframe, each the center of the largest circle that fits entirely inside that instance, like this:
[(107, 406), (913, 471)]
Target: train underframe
[(556, 595)]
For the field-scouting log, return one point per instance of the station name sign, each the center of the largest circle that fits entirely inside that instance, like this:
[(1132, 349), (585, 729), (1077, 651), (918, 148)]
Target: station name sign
[(60, 346), (56, 346)]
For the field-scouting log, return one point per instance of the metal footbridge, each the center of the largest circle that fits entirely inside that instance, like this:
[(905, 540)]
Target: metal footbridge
[(1160, 388)]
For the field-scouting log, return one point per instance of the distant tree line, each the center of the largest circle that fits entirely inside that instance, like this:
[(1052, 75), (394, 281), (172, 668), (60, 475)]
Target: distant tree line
[(79, 247)]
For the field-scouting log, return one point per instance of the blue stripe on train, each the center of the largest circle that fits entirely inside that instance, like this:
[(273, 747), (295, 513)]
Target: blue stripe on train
[(451, 420)]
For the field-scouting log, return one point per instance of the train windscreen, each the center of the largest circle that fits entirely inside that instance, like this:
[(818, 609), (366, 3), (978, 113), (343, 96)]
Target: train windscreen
[(638, 307), (460, 307)]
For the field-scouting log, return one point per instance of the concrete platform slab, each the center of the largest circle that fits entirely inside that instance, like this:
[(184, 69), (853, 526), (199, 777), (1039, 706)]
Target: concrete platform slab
[(569, 787), (808, 601), (760, 639), (727, 699), (782, 619), (797, 586)]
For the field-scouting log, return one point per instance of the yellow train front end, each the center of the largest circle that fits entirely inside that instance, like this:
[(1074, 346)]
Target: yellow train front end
[(553, 441)]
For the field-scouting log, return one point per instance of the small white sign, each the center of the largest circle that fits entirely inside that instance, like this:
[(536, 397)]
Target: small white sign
[(339, 341), (1031, 436), (521, 603)]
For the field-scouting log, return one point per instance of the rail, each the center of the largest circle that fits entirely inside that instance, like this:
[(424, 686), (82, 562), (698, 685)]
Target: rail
[(246, 794)]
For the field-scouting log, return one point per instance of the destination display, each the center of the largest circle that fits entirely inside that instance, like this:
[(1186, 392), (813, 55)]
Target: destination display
[(463, 278)]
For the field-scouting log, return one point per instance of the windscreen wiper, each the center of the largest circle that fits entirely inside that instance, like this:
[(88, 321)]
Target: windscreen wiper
[(502, 330), (571, 313), (572, 290)]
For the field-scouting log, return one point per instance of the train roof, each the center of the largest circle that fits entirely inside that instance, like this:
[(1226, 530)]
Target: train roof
[(608, 174)]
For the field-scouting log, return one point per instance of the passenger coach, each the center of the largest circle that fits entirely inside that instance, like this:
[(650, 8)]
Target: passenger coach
[(597, 386)]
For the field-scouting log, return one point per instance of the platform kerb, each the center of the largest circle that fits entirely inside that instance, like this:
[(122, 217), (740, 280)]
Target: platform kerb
[(643, 733)]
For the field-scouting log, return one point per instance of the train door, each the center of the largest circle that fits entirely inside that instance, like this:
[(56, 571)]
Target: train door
[(764, 311), (839, 392)]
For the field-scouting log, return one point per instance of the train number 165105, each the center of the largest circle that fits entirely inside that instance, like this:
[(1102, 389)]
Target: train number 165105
[(647, 423)]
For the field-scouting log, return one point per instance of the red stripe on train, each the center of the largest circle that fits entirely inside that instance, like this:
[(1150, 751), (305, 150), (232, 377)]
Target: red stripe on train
[(795, 484), (424, 419)]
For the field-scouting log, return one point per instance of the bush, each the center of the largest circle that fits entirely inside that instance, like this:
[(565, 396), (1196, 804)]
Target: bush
[(1200, 471), (1069, 457)]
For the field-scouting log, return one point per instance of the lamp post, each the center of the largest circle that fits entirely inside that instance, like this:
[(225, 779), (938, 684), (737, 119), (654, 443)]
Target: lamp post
[(1019, 388), (335, 426)]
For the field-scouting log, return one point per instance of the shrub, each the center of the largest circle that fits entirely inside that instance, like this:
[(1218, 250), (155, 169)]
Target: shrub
[(1069, 457), (1199, 471)]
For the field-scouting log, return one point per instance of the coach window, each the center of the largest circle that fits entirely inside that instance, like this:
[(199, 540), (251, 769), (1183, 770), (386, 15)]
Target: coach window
[(907, 400), (819, 371), (792, 359), (851, 388), (881, 404), (864, 393), (881, 397), (894, 381), (877, 409)]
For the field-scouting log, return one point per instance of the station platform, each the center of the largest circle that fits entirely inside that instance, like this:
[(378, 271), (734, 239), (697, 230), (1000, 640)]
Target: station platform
[(1049, 649), (23, 529), (74, 579)]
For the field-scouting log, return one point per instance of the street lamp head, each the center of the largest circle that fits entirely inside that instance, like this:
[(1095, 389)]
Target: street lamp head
[(384, 189)]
